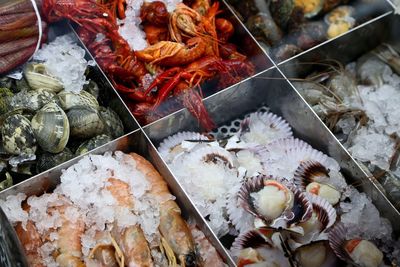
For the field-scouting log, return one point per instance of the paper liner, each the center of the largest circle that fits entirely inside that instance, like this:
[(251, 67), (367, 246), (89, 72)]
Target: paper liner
[(279, 128), (172, 141)]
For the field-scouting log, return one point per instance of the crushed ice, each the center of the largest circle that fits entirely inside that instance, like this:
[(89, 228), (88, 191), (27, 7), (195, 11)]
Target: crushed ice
[(130, 28), (65, 60)]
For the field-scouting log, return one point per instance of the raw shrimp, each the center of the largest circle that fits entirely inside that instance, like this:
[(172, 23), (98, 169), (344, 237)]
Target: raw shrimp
[(176, 236)]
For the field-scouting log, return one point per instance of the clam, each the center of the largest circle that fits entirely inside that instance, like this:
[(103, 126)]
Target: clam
[(92, 88), (313, 177), (273, 204), (6, 82), (7, 182), (69, 100), (49, 160), (92, 143), (51, 128), (18, 136), (5, 99), (281, 11), (85, 122), (285, 51), (32, 100), (38, 77), (112, 123), (20, 85), (358, 252)]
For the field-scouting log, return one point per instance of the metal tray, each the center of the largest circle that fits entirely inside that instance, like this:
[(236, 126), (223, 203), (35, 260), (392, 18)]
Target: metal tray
[(348, 48), (241, 37), (271, 89), (137, 142)]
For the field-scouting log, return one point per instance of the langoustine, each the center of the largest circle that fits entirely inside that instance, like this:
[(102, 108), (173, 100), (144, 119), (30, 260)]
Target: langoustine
[(59, 229)]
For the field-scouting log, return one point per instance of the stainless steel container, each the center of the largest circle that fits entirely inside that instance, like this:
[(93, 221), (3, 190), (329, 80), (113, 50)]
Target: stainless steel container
[(269, 87)]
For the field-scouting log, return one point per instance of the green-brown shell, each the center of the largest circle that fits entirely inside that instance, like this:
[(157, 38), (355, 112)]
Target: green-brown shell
[(85, 122), (18, 136), (69, 100), (264, 28), (281, 11), (112, 124), (32, 100), (5, 100), (92, 88), (93, 143), (51, 128), (49, 160)]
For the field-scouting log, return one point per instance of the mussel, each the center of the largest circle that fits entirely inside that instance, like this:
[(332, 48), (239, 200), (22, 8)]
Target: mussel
[(264, 28), (38, 77), (51, 128), (18, 136), (5, 99), (85, 122)]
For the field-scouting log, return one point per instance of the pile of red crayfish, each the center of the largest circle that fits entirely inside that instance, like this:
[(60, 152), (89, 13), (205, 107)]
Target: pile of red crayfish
[(186, 47)]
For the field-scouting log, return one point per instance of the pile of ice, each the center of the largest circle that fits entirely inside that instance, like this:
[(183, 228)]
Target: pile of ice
[(65, 60), (83, 191), (130, 28)]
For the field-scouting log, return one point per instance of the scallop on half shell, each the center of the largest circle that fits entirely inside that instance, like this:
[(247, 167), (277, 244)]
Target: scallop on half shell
[(51, 127)]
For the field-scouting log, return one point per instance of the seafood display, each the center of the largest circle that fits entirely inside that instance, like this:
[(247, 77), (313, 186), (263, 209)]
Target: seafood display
[(51, 113), (359, 104), (158, 54), (109, 210), (282, 200), (288, 27), (20, 31)]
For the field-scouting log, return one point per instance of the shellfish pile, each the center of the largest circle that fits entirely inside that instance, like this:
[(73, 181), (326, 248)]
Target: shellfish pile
[(288, 27), (284, 201), (43, 124), (349, 101)]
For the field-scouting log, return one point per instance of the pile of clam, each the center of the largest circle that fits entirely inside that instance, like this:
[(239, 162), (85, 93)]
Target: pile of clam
[(281, 198), (42, 125)]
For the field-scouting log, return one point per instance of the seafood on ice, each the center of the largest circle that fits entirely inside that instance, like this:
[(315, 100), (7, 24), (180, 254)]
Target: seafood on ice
[(282, 199), (359, 103), (158, 54), (109, 210)]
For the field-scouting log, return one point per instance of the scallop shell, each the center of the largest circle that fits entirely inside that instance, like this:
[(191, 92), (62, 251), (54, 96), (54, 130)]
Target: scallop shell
[(326, 213), (337, 241), (85, 122), (70, 100), (297, 207), (168, 145), (256, 126), (240, 218), (51, 128), (310, 171), (262, 242), (18, 136), (112, 123)]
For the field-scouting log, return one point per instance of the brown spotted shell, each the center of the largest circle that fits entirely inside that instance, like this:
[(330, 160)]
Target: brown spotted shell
[(85, 122)]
